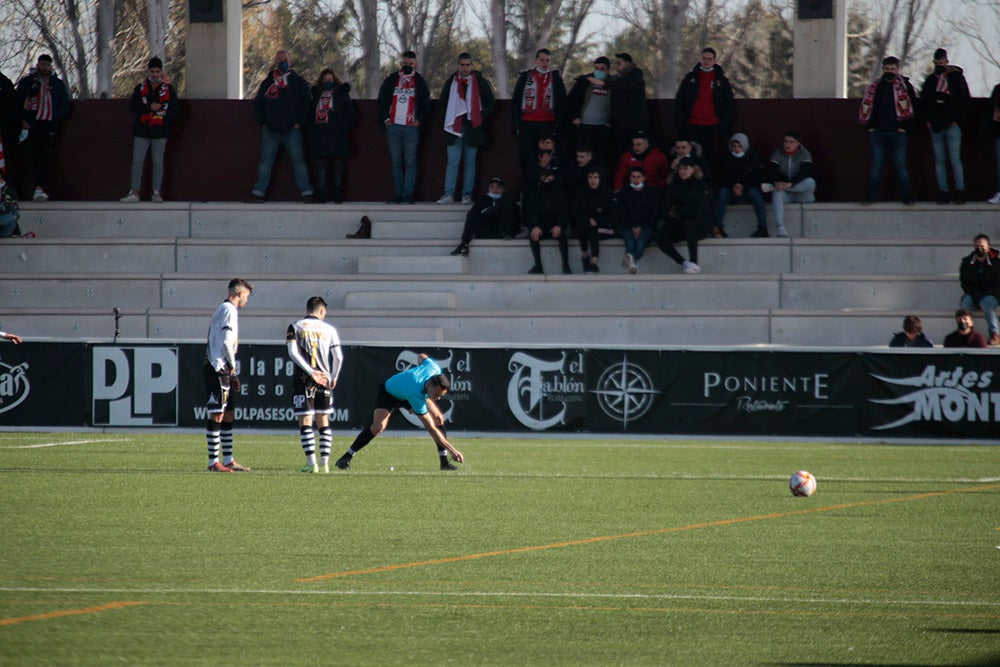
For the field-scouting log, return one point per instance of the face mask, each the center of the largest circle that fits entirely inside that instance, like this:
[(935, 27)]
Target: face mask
[(407, 69), (328, 85), (600, 75), (637, 186), (735, 154), (939, 69), (963, 326), (156, 79), (980, 252), (542, 70), (888, 76), (283, 66), (494, 195)]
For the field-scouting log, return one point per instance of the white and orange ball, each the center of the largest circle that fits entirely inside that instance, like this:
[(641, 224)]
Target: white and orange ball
[(802, 483)]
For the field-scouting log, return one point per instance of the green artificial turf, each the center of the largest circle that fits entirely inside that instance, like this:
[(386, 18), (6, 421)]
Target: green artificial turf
[(122, 549)]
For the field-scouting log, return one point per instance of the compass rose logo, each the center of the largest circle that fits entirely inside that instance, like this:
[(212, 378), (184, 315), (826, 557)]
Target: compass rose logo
[(625, 392)]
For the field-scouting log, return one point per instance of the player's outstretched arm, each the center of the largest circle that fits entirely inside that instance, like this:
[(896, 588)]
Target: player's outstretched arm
[(438, 436)]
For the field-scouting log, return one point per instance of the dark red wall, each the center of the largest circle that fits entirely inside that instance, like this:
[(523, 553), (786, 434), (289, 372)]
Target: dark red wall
[(213, 152)]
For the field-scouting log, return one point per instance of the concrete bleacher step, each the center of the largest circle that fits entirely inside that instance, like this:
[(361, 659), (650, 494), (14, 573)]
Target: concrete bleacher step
[(397, 300), (56, 219), (917, 292), (848, 256), (87, 255), (383, 264), (897, 221)]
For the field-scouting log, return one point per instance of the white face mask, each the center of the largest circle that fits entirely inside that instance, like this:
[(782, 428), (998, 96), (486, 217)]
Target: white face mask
[(735, 154), (494, 195), (637, 186)]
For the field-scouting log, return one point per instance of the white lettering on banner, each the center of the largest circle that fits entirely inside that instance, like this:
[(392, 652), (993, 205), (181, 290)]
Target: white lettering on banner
[(14, 385), (625, 391), (126, 380), (816, 385), (269, 414), (944, 396), (751, 405), (538, 386)]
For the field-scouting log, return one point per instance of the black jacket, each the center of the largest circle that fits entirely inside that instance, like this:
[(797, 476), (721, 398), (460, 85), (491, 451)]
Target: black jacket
[(28, 85), (744, 170), (722, 96), (546, 206), (638, 208), (558, 99), (995, 98), (979, 279), (900, 340), (472, 136), (598, 204), (687, 200), (421, 108), (289, 108), (628, 101), (883, 116), (146, 124), (498, 218), (943, 109), (332, 138)]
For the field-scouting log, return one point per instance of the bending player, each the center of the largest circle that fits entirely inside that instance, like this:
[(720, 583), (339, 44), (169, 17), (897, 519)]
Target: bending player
[(415, 389)]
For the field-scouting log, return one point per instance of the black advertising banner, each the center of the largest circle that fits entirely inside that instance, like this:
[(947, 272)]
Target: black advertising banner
[(743, 392), (940, 396), (44, 384)]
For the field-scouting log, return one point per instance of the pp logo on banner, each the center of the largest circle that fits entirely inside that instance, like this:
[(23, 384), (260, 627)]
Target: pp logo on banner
[(135, 386)]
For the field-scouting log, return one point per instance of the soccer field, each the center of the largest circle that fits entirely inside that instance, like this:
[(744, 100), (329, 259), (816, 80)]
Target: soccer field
[(119, 548)]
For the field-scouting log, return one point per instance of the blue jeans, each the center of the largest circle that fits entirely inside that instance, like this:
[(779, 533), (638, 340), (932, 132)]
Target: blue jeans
[(459, 152), (882, 141), (799, 193), (751, 194), (948, 143), (292, 141), (988, 304), (8, 223), (636, 246), (403, 152)]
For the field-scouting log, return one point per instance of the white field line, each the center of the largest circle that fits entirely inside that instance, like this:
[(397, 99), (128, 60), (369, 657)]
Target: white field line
[(61, 444), (510, 594)]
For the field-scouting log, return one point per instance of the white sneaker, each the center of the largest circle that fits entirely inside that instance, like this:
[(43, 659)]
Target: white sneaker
[(632, 266), (766, 187), (690, 267), (40, 195), (781, 233), (156, 198), (130, 198), (995, 199), (627, 261), (446, 199), (466, 199)]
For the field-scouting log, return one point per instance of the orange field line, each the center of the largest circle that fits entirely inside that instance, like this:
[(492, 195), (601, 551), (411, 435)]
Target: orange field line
[(642, 533), (70, 612)]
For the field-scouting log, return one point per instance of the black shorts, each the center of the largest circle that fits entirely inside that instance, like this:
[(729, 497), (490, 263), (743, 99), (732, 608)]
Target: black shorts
[(387, 401), (218, 397), (308, 398)]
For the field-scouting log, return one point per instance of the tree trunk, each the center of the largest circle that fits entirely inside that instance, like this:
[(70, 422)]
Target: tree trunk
[(105, 46), (498, 47), (156, 27), (672, 15)]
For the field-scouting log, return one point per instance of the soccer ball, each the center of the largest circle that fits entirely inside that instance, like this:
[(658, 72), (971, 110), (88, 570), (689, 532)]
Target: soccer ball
[(802, 483)]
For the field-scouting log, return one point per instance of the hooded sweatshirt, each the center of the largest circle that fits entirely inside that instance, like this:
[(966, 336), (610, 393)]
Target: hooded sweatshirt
[(744, 169)]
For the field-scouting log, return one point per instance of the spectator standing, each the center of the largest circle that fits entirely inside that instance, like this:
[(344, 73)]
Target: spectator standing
[(221, 381), (912, 334), (650, 159), (468, 101), (314, 346), (628, 101), (638, 209), (686, 206), (329, 134), (887, 113), (964, 335), (589, 107), (44, 103), (995, 98), (704, 104), (739, 182), (945, 101), (546, 215), (789, 178), (404, 102), (9, 211), (155, 106), (594, 217), (8, 117), (282, 108), (979, 275), (494, 215), (538, 104)]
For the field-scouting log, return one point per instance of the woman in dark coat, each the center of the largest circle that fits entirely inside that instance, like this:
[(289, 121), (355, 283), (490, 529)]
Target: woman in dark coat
[(329, 128)]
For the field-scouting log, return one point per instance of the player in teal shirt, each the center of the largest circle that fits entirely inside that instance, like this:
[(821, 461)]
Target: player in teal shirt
[(415, 389)]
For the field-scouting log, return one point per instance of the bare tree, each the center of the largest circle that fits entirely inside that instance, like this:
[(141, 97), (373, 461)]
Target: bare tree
[(498, 46), (105, 47), (427, 27), (902, 30), (533, 23), (364, 14), (156, 26), (662, 24)]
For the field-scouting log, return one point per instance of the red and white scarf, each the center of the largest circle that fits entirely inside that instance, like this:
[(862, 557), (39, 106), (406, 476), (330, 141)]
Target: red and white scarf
[(404, 101), (901, 101), (942, 83), (324, 107), (41, 103), (278, 81), (463, 100), (537, 97), (154, 92)]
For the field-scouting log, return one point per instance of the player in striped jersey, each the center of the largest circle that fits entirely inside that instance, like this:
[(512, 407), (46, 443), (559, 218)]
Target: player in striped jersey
[(221, 381), (314, 346)]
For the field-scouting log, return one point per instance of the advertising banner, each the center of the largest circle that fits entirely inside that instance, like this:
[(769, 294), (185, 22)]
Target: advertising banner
[(44, 384)]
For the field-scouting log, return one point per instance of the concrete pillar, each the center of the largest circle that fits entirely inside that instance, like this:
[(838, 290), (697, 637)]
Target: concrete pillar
[(820, 49), (214, 53)]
